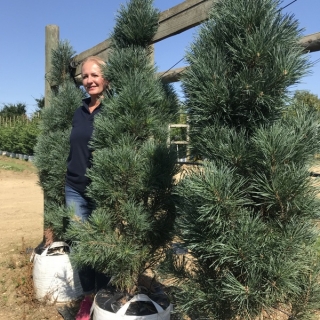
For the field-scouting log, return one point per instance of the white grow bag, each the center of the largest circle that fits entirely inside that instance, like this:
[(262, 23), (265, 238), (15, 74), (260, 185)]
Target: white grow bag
[(101, 314), (54, 277)]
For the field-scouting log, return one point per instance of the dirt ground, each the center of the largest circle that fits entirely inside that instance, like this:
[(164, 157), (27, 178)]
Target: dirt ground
[(21, 229)]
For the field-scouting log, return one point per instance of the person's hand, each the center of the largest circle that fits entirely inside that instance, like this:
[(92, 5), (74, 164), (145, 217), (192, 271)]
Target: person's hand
[(48, 237)]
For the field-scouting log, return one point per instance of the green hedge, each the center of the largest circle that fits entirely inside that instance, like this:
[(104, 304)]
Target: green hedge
[(19, 136)]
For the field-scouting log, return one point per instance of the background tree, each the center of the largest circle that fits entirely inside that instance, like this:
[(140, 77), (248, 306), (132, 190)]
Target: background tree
[(12, 110), (133, 168), (248, 214), (40, 104), (303, 101), (18, 133), (307, 98)]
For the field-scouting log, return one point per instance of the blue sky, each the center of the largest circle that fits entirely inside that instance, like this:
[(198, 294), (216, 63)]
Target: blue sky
[(86, 23)]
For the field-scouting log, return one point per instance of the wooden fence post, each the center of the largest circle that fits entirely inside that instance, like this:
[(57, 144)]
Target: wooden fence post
[(52, 41)]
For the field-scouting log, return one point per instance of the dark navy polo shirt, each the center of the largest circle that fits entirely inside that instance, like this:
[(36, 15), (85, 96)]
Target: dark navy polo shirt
[(80, 156)]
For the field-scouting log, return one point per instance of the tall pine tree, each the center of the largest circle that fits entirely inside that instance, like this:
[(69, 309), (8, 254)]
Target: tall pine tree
[(248, 214), (133, 168)]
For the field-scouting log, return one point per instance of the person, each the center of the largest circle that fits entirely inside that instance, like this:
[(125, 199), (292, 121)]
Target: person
[(79, 160)]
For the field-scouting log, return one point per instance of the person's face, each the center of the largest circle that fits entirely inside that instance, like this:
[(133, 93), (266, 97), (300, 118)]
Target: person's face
[(92, 79)]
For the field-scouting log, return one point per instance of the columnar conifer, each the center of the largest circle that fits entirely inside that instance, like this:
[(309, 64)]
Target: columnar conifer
[(248, 214), (133, 168)]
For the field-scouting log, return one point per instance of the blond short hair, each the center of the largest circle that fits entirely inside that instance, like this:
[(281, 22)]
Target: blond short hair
[(95, 59)]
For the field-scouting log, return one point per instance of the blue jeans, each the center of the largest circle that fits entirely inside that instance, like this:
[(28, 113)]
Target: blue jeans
[(83, 207)]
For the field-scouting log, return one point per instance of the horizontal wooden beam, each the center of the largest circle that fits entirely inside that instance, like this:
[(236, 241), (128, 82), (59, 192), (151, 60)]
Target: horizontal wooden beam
[(178, 125), (310, 42), (175, 20), (179, 142), (182, 17), (173, 75)]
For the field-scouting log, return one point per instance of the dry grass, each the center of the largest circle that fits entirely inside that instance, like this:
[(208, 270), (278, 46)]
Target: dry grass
[(12, 164), (17, 289)]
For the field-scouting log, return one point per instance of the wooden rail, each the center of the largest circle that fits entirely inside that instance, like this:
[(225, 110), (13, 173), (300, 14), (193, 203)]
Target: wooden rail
[(179, 18), (175, 20), (311, 43)]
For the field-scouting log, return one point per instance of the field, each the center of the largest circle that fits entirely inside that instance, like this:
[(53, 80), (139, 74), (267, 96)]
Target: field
[(21, 229)]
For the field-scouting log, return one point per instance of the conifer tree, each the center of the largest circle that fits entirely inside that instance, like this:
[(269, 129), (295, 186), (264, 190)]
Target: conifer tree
[(247, 216), (307, 99), (52, 148), (133, 168)]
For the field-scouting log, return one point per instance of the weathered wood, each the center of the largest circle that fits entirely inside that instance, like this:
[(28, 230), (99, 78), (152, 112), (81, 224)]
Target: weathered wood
[(179, 142), (171, 75), (179, 18), (175, 20), (182, 17), (311, 42), (178, 125), (102, 49), (52, 41)]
